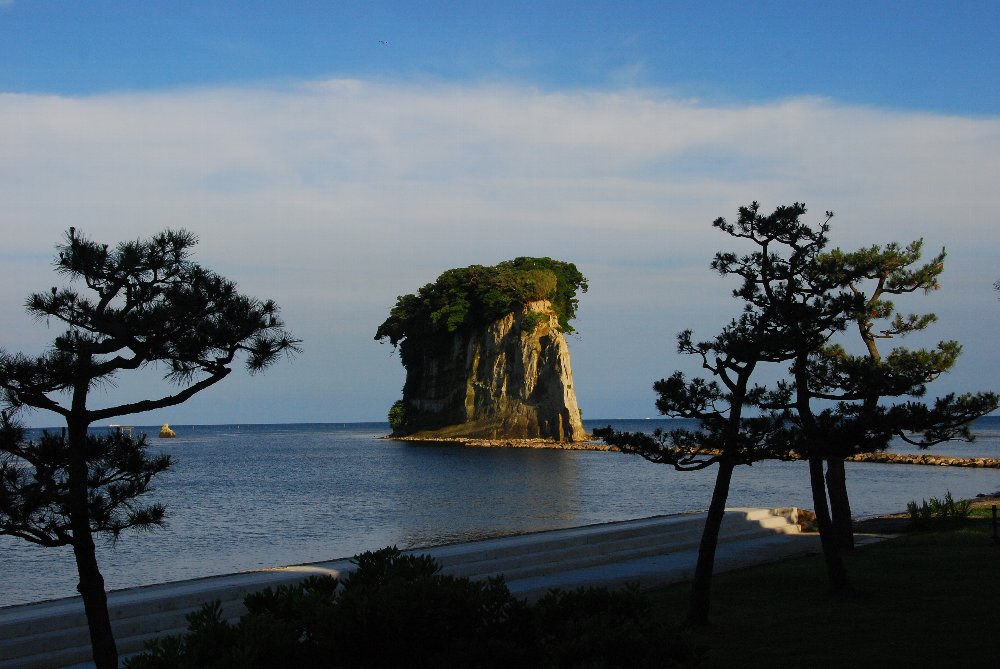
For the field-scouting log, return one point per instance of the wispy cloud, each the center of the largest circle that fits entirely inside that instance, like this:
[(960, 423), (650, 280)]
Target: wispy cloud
[(335, 196)]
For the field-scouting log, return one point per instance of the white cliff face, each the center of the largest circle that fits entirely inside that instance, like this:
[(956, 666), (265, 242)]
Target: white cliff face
[(512, 380)]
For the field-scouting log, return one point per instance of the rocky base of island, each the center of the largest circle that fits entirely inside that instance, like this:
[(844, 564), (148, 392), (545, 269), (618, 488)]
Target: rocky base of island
[(880, 458), (476, 442)]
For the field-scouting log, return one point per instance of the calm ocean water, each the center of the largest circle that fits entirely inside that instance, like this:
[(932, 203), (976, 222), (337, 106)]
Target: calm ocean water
[(242, 497)]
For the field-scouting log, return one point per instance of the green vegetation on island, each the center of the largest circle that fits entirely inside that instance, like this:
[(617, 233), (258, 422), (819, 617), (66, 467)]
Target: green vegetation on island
[(469, 297)]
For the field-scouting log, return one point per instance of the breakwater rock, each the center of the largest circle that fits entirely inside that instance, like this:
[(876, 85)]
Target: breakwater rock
[(925, 459)]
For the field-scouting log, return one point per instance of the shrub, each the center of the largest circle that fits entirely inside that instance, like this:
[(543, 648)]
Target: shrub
[(938, 512), (397, 416), (399, 610), (597, 627), (281, 628), (531, 320)]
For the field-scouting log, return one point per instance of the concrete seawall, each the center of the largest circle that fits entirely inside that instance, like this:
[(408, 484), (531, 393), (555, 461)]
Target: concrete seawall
[(651, 551)]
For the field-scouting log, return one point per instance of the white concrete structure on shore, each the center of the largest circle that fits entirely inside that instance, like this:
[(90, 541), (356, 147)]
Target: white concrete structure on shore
[(651, 551)]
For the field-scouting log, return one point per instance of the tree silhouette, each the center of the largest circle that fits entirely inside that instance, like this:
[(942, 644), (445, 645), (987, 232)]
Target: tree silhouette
[(727, 436), (797, 297), (875, 274), (146, 304), (776, 285), (807, 307), (812, 295)]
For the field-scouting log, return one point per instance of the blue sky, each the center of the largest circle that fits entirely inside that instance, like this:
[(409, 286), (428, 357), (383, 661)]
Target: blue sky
[(939, 56), (335, 155)]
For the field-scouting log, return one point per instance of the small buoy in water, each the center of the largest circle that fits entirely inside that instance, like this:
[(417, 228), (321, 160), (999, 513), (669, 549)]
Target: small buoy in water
[(165, 431)]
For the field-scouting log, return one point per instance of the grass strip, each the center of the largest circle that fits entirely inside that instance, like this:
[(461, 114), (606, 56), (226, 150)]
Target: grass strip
[(922, 599)]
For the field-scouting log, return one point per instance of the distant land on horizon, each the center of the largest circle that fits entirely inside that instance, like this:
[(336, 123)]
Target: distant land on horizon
[(324, 422), (990, 417)]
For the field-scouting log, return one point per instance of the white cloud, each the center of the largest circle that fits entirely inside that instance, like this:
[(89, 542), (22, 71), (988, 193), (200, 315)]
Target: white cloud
[(333, 197)]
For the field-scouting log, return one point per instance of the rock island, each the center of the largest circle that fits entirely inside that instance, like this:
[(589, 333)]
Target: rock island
[(486, 356)]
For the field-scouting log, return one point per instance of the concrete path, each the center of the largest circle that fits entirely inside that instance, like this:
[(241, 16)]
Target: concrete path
[(650, 551)]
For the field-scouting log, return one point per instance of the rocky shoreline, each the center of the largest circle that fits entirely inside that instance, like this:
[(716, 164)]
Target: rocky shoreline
[(476, 442), (880, 458)]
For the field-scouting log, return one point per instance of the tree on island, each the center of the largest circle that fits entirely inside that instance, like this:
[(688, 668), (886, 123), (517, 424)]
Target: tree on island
[(797, 298), (149, 304), (468, 297)]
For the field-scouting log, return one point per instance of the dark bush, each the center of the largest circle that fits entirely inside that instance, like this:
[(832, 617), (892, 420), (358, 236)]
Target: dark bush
[(398, 610), (281, 628), (597, 627)]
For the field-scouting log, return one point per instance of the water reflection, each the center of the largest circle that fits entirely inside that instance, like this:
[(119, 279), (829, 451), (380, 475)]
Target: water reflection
[(482, 492)]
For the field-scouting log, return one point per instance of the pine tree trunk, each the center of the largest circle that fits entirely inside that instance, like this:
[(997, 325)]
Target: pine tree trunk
[(95, 603), (701, 587), (835, 569), (91, 585), (840, 503)]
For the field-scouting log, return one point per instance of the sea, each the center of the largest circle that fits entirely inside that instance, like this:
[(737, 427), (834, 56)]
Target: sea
[(246, 497)]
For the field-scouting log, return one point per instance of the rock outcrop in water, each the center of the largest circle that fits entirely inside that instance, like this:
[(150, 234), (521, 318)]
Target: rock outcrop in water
[(511, 379), (503, 370)]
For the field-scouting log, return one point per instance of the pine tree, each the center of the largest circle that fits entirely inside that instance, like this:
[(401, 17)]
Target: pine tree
[(797, 299), (785, 312), (147, 304), (874, 274)]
